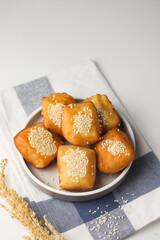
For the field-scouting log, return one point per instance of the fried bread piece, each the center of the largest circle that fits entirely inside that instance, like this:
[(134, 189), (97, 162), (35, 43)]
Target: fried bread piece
[(80, 124), (105, 109), (114, 152), (77, 168), (37, 145), (52, 108)]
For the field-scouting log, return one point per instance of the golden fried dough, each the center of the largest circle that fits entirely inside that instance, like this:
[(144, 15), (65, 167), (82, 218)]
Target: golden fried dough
[(114, 152), (52, 108), (105, 109), (77, 168), (80, 124), (37, 145)]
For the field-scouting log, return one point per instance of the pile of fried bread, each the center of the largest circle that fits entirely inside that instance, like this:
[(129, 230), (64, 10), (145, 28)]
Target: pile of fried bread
[(93, 122)]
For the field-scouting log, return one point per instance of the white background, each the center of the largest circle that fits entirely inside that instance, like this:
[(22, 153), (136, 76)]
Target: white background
[(38, 37)]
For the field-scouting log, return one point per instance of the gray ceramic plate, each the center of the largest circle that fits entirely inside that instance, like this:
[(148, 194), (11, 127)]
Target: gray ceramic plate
[(47, 179)]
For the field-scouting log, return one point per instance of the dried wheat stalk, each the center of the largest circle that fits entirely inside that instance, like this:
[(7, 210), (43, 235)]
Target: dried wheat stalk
[(20, 210)]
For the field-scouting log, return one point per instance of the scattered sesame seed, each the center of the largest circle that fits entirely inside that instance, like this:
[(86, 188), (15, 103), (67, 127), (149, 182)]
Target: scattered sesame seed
[(111, 224), (125, 201), (70, 105), (42, 140)]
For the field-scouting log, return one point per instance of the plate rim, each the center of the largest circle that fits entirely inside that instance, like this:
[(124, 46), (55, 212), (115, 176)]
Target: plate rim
[(77, 194)]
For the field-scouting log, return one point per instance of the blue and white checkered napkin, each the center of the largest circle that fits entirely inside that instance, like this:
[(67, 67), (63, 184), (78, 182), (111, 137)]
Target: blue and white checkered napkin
[(134, 204)]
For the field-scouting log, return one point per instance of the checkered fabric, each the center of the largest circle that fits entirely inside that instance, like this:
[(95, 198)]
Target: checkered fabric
[(133, 205)]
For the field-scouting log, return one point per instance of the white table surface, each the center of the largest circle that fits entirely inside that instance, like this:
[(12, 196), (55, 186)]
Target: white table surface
[(38, 37)]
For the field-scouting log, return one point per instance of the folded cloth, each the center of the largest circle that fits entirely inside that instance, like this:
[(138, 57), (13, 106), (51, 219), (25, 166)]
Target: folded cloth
[(133, 205)]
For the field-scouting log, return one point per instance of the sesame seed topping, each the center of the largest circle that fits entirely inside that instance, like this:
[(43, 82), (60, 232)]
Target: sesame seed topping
[(42, 141), (82, 122), (55, 112), (115, 147), (77, 162)]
